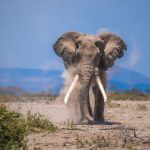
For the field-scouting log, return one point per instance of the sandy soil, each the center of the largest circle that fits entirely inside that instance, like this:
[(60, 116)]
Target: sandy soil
[(127, 127)]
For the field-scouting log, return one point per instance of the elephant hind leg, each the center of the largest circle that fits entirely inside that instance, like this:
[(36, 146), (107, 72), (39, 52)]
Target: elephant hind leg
[(99, 105), (99, 101)]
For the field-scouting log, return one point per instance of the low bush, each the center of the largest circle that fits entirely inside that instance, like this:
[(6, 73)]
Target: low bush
[(36, 122), (13, 129)]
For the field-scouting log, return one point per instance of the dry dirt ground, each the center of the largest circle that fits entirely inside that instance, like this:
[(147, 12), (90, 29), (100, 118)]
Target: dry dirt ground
[(127, 127)]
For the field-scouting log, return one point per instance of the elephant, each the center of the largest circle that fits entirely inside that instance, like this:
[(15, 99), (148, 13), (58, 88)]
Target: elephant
[(91, 56)]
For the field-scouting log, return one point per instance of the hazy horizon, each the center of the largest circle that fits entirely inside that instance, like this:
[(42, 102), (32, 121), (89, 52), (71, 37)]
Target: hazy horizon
[(61, 70)]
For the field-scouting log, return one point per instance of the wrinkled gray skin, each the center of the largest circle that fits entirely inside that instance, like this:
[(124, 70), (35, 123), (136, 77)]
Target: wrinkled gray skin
[(85, 53)]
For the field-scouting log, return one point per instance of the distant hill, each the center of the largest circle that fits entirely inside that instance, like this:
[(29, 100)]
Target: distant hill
[(124, 79), (31, 80), (12, 91), (37, 80)]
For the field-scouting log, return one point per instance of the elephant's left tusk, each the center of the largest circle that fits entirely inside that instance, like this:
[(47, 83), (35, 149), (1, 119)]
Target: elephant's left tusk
[(101, 87), (71, 88)]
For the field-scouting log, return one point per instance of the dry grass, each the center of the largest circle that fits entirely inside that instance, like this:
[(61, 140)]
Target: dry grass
[(95, 141), (141, 107), (112, 105), (131, 95), (126, 138), (7, 98), (70, 124), (4, 98)]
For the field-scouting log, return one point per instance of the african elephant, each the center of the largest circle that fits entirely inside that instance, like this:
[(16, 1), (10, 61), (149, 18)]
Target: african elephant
[(90, 56)]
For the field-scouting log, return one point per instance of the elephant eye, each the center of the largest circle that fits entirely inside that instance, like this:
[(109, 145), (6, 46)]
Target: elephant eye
[(78, 44), (99, 44), (77, 53), (121, 53)]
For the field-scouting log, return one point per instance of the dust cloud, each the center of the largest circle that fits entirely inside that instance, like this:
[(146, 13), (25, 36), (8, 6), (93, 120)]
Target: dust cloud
[(70, 111), (55, 111)]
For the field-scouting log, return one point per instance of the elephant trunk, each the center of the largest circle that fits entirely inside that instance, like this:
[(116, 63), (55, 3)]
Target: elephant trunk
[(86, 75)]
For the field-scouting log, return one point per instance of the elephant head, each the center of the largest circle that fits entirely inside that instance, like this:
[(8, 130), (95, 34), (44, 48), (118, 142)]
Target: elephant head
[(88, 54)]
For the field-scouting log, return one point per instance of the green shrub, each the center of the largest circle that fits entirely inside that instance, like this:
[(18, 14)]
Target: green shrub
[(36, 122), (13, 129)]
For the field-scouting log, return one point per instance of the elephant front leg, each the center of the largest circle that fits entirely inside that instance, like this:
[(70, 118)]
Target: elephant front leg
[(99, 105), (87, 113)]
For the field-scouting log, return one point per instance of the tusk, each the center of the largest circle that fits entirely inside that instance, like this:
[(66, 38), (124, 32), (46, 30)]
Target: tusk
[(101, 88), (71, 88)]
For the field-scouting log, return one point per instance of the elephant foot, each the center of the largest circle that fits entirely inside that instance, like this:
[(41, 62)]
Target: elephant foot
[(91, 122), (100, 122), (81, 120), (106, 122), (99, 118)]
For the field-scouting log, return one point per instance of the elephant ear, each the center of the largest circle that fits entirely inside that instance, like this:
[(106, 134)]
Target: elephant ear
[(113, 42), (65, 46)]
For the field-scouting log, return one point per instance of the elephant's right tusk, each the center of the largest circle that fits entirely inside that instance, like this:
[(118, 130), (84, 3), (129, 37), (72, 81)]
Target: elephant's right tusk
[(71, 88), (101, 87)]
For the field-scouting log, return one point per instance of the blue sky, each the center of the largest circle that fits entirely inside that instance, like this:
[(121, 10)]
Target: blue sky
[(28, 29)]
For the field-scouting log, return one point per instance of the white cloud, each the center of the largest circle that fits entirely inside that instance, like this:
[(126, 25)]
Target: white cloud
[(54, 65), (133, 54), (101, 30), (134, 57)]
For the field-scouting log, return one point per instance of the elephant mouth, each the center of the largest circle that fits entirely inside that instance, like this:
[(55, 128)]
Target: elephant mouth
[(73, 84)]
